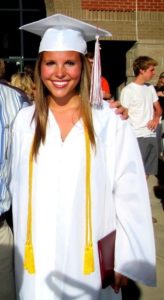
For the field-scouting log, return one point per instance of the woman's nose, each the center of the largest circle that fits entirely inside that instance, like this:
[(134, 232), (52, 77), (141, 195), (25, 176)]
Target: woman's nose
[(60, 71)]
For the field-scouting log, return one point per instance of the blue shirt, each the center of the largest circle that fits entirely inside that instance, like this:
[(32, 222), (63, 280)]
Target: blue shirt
[(11, 101)]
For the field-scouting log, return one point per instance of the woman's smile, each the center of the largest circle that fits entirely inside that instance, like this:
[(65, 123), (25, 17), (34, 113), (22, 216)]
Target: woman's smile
[(60, 84)]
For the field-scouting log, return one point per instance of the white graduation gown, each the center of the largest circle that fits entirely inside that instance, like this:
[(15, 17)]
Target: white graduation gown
[(119, 200)]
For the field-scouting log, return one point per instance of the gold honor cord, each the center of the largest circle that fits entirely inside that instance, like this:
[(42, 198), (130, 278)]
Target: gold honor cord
[(88, 252), (29, 263)]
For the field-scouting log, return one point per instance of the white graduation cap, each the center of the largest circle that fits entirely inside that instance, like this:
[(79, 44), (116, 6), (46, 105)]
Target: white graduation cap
[(63, 33)]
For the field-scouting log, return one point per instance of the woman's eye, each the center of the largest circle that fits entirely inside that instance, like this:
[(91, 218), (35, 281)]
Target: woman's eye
[(50, 63), (70, 63)]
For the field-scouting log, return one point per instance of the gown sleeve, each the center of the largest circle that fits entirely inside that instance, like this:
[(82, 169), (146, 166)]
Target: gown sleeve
[(135, 246), (20, 144)]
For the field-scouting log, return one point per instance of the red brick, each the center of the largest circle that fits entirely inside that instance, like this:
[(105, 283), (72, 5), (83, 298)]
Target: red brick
[(124, 5)]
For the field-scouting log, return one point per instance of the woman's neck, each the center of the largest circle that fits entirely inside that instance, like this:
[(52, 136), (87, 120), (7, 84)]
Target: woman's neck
[(66, 115), (64, 104)]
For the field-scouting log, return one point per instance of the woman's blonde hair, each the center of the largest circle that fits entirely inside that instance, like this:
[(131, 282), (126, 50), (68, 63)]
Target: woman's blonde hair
[(42, 104), (24, 82)]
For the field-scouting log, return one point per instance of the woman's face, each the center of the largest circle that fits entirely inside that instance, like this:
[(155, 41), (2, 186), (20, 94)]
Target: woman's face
[(60, 73)]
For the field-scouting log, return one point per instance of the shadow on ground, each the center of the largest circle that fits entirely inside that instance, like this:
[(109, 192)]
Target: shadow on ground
[(131, 292)]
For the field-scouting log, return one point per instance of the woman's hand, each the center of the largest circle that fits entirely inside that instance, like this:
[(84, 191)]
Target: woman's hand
[(120, 110), (120, 281)]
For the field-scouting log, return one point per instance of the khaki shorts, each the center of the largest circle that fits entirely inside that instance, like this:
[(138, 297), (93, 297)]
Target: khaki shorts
[(7, 284)]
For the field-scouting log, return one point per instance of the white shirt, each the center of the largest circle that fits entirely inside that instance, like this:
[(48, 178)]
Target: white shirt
[(119, 200), (139, 100)]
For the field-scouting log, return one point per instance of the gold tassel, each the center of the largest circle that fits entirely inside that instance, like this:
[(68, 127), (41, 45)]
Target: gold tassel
[(88, 251), (29, 264), (88, 260)]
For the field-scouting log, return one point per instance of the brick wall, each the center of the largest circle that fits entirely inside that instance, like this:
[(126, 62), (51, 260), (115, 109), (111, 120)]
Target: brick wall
[(123, 5), (125, 25)]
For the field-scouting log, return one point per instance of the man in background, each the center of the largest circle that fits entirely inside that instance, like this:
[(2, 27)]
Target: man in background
[(11, 101), (104, 82), (141, 100)]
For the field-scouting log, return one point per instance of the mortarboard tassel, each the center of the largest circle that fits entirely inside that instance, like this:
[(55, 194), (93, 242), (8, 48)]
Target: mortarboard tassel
[(96, 96), (88, 252)]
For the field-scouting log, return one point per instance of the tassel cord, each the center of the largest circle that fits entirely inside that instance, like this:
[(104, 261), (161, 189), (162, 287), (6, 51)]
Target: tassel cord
[(29, 263), (88, 254)]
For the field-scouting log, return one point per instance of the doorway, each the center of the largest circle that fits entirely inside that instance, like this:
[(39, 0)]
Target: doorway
[(113, 62)]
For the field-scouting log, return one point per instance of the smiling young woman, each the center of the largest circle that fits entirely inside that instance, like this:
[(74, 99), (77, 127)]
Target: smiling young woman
[(78, 173)]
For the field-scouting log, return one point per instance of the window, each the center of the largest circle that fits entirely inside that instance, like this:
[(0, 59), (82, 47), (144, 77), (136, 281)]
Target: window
[(14, 42)]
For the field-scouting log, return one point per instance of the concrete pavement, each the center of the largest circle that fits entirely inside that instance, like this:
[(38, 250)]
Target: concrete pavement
[(157, 293), (137, 291)]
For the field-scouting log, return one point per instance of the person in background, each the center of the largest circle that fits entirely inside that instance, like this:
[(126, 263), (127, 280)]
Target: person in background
[(77, 174), (11, 101), (106, 91), (105, 88), (24, 82), (2, 71), (104, 82), (160, 92), (160, 84), (144, 111), (29, 69)]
